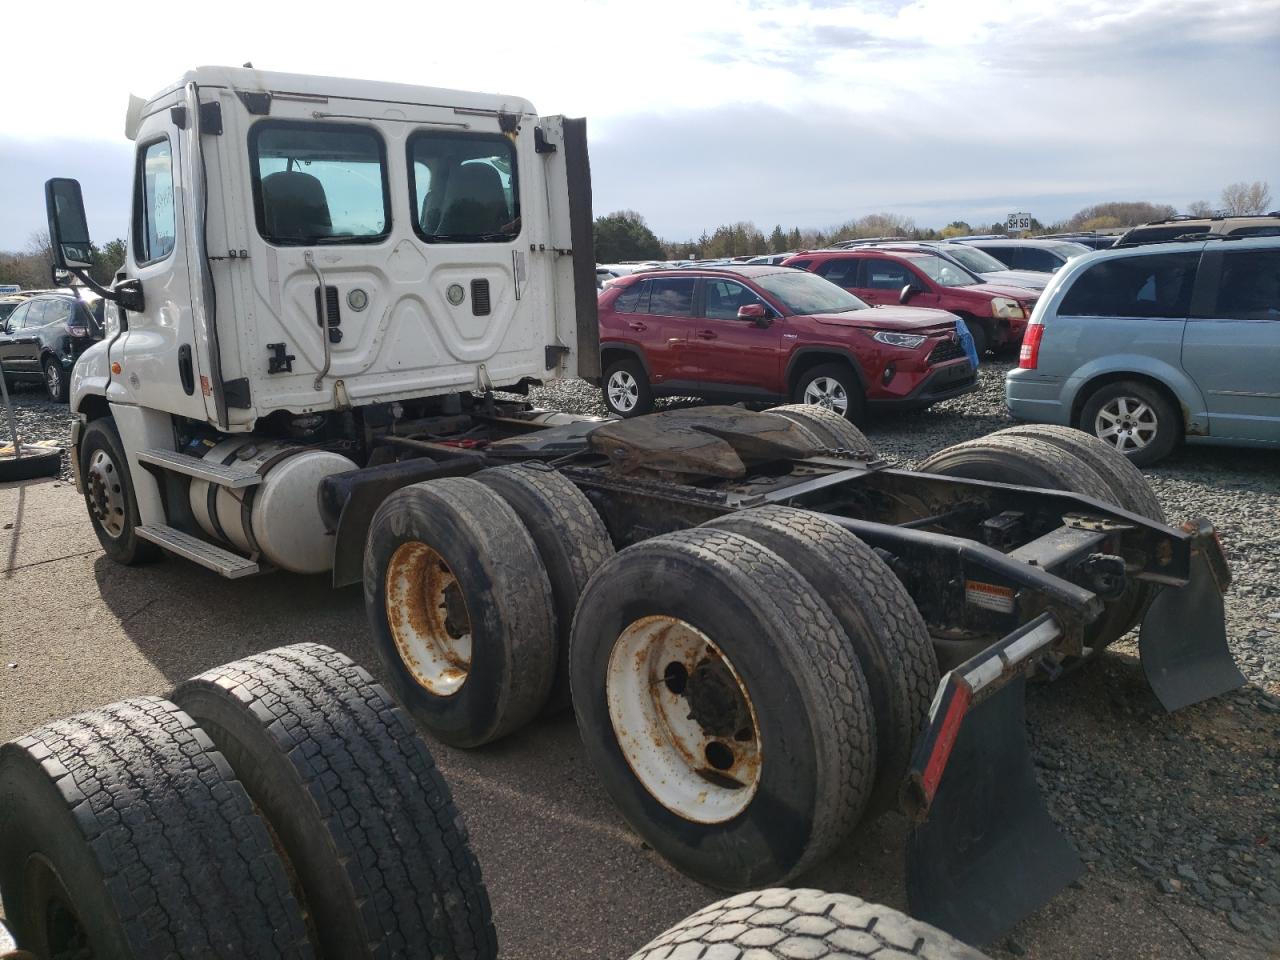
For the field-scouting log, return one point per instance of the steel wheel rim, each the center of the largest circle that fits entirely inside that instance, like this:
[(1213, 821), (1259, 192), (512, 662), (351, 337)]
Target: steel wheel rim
[(1127, 423), (624, 391), (106, 493), (683, 719), (828, 393), (53, 380), (428, 618)]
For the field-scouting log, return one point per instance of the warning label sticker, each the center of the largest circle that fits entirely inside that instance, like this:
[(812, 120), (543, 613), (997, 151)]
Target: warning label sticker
[(988, 596)]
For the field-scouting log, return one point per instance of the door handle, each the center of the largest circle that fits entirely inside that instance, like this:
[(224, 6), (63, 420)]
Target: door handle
[(637, 325), (706, 335)]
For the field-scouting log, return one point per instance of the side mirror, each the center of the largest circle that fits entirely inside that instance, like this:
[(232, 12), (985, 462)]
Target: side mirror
[(68, 229), (756, 313), (909, 291)]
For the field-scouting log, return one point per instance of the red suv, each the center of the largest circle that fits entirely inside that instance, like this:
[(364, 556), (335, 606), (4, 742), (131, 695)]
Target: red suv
[(770, 334), (995, 314)]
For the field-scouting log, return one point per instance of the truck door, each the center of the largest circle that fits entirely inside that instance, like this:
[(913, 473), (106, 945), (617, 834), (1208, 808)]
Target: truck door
[(1231, 343), (160, 354)]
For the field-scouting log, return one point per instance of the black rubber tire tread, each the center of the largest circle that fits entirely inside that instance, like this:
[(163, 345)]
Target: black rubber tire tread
[(857, 403), (1129, 488), (888, 635), (354, 796), (129, 549), (512, 613), (807, 644), (644, 391), (571, 540), (782, 923), (34, 462), (832, 429), (1170, 425), (1062, 470), (158, 847), (978, 331)]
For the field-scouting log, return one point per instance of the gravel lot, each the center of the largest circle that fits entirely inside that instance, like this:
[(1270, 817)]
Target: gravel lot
[(1177, 817)]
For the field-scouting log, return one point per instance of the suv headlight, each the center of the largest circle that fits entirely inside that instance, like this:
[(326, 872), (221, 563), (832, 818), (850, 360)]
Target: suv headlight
[(1002, 308), (908, 340)]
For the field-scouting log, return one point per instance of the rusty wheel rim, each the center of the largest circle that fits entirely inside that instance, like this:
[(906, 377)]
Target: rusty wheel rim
[(683, 719), (428, 619)]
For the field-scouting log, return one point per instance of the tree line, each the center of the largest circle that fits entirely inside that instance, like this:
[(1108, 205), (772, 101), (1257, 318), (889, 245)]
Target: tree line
[(624, 235), (32, 269)]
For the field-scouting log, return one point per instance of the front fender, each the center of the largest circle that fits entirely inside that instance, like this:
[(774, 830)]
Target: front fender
[(1194, 414), (91, 374)]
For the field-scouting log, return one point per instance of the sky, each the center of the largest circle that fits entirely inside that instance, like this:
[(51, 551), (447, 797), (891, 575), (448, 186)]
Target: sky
[(700, 112)]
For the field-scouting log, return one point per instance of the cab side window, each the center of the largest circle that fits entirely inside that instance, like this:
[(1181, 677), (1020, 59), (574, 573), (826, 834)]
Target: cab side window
[(1250, 286), (153, 216), (1158, 285)]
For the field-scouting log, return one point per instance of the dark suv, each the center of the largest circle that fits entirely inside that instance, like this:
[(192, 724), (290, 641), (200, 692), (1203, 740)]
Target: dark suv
[(44, 336), (770, 334), (996, 314)]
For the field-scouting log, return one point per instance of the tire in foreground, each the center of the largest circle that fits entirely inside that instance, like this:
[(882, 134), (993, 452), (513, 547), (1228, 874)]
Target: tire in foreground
[(780, 923), (721, 705), (831, 429), (123, 833), (461, 610), (362, 814)]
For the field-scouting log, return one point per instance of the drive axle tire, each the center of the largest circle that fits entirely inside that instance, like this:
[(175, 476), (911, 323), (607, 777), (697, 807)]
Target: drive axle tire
[(722, 707), (461, 610), (785, 924), (571, 540), (124, 834), (888, 635), (1129, 488), (108, 493), (358, 807), (831, 429)]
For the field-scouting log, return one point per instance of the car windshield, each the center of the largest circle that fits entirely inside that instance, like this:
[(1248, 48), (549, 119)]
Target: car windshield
[(979, 261), (940, 271), (1069, 250), (804, 293)]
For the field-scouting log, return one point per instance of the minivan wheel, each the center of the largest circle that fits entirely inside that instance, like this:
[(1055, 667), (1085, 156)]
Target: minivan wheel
[(1134, 418), (626, 389), (834, 387)]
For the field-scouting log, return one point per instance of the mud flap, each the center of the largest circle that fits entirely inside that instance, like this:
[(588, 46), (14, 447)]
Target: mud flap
[(1183, 641), (988, 853)]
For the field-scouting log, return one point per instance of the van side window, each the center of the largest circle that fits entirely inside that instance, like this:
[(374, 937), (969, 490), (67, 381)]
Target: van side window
[(1250, 286), (153, 218), (465, 188), (319, 183), (1158, 285)]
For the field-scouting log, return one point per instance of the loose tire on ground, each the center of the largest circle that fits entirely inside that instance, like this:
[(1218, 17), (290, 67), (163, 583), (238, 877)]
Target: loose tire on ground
[(461, 610), (835, 384), (1159, 411), (831, 429), (721, 705), (781, 924), (626, 389), (34, 462), (571, 540), (123, 833), (1038, 463), (359, 808), (109, 496), (887, 633)]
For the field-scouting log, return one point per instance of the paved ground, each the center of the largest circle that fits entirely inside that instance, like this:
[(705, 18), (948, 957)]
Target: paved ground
[(568, 880)]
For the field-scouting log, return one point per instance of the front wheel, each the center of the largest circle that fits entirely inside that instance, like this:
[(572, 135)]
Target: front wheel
[(1135, 419), (981, 339), (56, 382), (835, 387), (626, 389), (108, 493)]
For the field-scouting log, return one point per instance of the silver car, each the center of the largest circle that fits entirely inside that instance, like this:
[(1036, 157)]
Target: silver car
[(1147, 347)]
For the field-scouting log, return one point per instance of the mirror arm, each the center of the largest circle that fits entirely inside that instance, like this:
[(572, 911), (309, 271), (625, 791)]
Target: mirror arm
[(83, 276), (127, 293)]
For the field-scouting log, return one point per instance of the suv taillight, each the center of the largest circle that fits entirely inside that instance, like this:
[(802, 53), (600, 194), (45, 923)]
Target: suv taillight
[(1029, 355), (77, 329)]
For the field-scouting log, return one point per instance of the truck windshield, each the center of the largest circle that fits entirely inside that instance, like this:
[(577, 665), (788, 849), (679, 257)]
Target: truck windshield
[(319, 183), (465, 187), (940, 271), (803, 293)]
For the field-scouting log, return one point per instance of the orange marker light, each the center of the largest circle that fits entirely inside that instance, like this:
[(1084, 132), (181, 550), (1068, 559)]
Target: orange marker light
[(115, 367)]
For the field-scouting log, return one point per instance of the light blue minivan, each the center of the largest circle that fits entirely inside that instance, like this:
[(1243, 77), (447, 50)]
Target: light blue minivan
[(1149, 346)]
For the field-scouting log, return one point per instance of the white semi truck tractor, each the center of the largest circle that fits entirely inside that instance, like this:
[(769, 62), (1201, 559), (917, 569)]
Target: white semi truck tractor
[(332, 291)]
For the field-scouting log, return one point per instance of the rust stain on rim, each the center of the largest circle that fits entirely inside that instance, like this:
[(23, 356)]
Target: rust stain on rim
[(423, 626)]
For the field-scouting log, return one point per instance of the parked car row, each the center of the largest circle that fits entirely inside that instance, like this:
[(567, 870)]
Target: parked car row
[(43, 334)]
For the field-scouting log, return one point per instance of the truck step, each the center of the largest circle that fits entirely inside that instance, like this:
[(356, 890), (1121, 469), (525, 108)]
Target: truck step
[(233, 476), (228, 564)]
